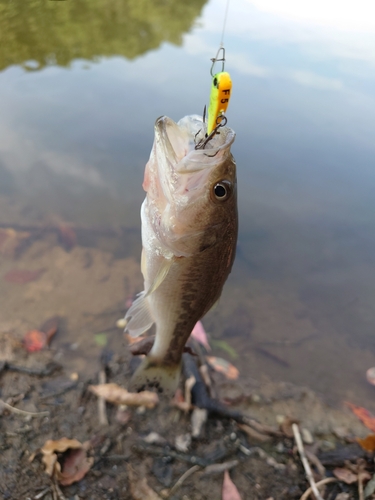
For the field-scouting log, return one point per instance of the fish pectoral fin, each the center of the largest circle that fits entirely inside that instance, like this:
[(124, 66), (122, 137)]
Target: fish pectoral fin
[(160, 276), (139, 318)]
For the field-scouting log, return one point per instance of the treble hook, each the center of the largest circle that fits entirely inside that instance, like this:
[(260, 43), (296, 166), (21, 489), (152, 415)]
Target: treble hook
[(216, 59), (203, 142)]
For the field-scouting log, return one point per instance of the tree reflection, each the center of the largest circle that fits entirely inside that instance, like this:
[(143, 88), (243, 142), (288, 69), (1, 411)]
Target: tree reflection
[(37, 33)]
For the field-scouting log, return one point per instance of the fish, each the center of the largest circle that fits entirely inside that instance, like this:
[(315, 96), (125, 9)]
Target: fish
[(189, 234)]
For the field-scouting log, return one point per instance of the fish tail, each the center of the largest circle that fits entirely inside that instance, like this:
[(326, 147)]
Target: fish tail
[(153, 375)]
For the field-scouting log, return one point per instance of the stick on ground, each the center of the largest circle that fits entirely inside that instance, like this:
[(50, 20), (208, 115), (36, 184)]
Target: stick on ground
[(305, 463)]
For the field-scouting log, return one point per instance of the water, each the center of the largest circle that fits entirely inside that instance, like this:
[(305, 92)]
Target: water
[(81, 85)]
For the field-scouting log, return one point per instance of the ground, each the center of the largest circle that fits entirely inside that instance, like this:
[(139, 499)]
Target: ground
[(86, 288)]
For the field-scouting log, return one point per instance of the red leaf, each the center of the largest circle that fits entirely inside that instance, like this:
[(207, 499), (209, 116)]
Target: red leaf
[(230, 492), (34, 340), (364, 415), (21, 276)]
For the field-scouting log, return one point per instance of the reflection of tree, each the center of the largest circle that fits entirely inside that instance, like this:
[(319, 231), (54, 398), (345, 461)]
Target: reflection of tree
[(55, 32)]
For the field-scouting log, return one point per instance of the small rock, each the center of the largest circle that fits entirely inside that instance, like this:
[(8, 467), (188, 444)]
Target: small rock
[(307, 436), (154, 438)]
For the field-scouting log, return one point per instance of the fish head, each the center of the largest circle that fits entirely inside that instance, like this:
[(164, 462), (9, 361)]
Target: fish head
[(191, 193)]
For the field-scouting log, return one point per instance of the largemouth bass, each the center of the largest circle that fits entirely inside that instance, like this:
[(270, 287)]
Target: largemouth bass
[(189, 234)]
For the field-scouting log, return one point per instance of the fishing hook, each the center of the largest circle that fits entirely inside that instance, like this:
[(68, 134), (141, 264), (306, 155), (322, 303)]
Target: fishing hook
[(203, 142)]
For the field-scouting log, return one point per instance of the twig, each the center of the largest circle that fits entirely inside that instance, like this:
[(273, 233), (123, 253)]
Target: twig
[(360, 487), (17, 411), (327, 480), (42, 494), (103, 420), (305, 463), (184, 476), (59, 493)]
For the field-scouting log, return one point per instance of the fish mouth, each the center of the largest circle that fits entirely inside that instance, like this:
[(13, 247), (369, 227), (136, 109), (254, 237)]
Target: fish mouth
[(177, 157)]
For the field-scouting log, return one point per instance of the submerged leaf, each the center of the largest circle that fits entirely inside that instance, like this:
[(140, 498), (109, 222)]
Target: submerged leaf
[(11, 241), (21, 277), (223, 366), (100, 339), (35, 340), (364, 415), (115, 394), (224, 346), (200, 335), (230, 492)]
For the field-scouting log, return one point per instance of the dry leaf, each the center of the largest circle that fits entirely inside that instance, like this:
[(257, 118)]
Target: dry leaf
[(368, 443), (115, 394), (139, 489), (72, 466), (230, 492), (345, 475), (21, 277), (200, 335), (223, 366), (286, 426), (364, 415), (253, 434)]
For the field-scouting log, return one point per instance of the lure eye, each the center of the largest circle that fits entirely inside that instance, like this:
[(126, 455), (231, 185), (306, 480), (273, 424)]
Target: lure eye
[(215, 82), (222, 190)]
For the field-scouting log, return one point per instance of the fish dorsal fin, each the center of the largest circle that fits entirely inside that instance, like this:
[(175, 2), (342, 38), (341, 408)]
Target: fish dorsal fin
[(139, 318), (160, 275)]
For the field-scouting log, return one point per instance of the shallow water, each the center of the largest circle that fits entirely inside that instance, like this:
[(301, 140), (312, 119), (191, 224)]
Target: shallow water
[(80, 88)]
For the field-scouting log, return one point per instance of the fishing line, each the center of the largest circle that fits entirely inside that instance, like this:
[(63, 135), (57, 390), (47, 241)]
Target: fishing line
[(224, 24)]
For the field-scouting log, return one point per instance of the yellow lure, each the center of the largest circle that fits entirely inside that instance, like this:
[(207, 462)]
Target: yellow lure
[(221, 90)]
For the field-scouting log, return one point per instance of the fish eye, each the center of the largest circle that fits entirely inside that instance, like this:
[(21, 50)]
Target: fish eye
[(222, 190)]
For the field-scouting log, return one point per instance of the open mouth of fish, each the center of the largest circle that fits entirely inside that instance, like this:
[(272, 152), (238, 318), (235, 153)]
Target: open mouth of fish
[(181, 168)]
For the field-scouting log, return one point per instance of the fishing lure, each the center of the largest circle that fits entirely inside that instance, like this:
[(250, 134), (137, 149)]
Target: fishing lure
[(221, 90)]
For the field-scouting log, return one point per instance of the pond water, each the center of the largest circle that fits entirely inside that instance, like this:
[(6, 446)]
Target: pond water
[(81, 85)]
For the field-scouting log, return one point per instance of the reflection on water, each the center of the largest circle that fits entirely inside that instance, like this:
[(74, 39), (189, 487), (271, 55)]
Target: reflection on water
[(74, 141), (36, 34)]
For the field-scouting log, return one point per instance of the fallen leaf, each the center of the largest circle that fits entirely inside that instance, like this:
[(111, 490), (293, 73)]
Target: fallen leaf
[(50, 327), (364, 415), (224, 346), (368, 443), (253, 434), (200, 335), (11, 241), (115, 394), (286, 426), (230, 492), (139, 489), (34, 340), (67, 236), (223, 366), (100, 339), (69, 467), (21, 277), (345, 475)]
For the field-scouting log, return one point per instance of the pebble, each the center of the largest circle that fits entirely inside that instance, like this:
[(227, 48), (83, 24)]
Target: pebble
[(307, 437)]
